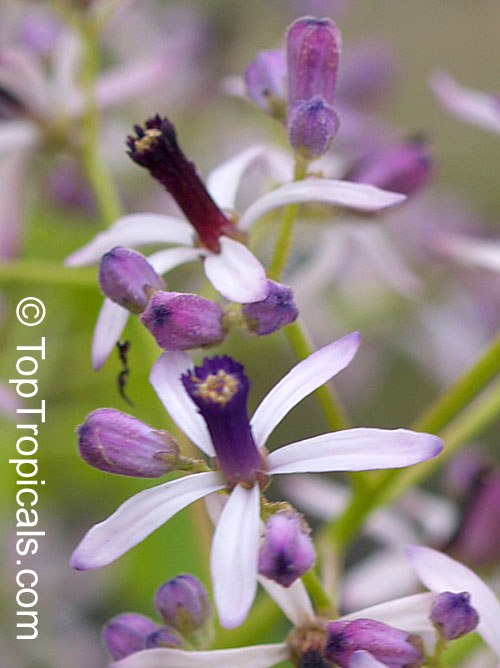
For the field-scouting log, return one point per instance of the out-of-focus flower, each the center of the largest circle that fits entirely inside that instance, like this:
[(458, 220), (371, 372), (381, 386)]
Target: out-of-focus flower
[(209, 405), (481, 109)]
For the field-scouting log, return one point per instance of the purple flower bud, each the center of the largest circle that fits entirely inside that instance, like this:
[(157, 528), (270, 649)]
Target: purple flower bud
[(180, 321), (127, 278), (219, 388), (287, 551), (164, 637), (391, 646), (127, 633), (404, 168), (155, 147), (453, 615), (313, 50), (275, 311), (265, 82), (312, 125), (183, 604), (115, 442)]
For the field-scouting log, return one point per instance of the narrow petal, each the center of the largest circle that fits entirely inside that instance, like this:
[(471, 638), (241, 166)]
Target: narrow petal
[(138, 517), (470, 105), (257, 656), (236, 273), (479, 253), (110, 324), (223, 181), (17, 135), (137, 229), (362, 659), (344, 194), (165, 260), (355, 450), (294, 601), (233, 561), (165, 378), (410, 613), (303, 379), (439, 573)]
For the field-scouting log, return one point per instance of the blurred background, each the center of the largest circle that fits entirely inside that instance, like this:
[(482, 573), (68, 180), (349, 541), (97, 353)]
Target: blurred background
[(413, 346)]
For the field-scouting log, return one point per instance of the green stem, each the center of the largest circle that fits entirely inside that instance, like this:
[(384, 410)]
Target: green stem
[(321, 601), (283, 243)]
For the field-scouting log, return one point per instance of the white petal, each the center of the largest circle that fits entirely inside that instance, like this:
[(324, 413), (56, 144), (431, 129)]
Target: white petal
[(410, 613), (480, 253), (165, 377), (138, 517), (165, 260), (137, 229), (303, 379), (294, 601), (363, 659), (345, 194), (110, 324), (470, 105), (17, 135), (223, 181), (234, 556), (236, 273), (440, 573), (355, 450), (257, 656)]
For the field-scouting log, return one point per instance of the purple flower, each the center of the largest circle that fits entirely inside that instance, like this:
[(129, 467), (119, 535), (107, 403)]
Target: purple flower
[(218, 385)]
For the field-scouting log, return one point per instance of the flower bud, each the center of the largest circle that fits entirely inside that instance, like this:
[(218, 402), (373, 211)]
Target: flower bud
[(164, 637), (180, 321), (287, 551), (275, 311), (183, 604), (265, 82), (127, 278), (453, 615), (313, 50), (404, 168), (391, 646), (115, 442), (312, 125), (127, 633)]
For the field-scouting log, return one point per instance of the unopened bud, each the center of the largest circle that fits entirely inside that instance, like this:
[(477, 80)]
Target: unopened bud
[(275, 311), (181, 321), (393, 647), (453, 615), (312, 125), (265, 82), (313, 50), (127, 633), (287, 551), (164, 637), (115, 442), (183, 604), (127, 278)]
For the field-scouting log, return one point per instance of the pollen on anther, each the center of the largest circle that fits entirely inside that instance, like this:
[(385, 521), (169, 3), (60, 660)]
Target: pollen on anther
[(145, 142), (218, 388)]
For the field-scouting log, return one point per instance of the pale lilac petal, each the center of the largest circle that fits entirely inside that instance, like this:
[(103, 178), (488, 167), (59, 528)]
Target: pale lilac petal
[(138, 517), (165, 378), (294, 601), (236, 273), (345, 194), (303, 379), (355, 450), (256, 656), (21, 74), (223, 181), (110, 324), (234, 556), (470, 105), (362, 659), (17, 135), (165, 260), (136, 229), (410, 613), (479, 253), (439, 573)]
